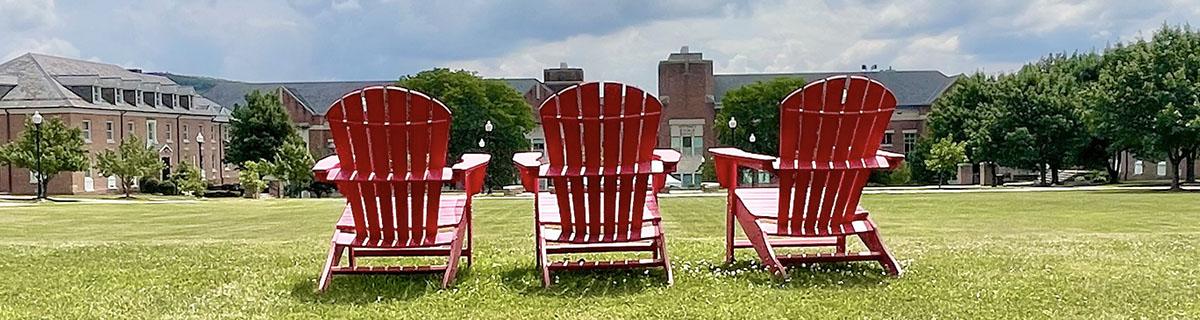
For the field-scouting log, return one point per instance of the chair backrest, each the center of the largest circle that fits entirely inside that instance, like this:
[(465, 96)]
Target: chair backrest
[(829, 132), (391, 143), (600, 139)]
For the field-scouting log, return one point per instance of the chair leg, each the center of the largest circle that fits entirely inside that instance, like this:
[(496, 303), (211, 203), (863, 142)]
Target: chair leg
[(542, 263), (351, 258), (875, 243), (729, 238), (452, 265), (470, 244), (334, 258), (841, 245), (666, 259), (761, 246)]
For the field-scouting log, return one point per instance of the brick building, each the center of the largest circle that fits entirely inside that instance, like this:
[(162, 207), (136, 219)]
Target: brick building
[(691, 94), (109, 103), (307, 102)]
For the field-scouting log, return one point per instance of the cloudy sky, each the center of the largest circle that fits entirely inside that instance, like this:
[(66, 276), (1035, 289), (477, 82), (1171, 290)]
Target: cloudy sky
[(612, 40)]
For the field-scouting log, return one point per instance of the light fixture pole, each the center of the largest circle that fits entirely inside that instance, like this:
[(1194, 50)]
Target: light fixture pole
[(37, 142), (487, 129), (200, 153)]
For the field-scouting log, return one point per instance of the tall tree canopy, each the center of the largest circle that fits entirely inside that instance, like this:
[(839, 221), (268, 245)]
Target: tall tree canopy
[(756, 109), (258, 129), (61, 146), (474, 101), (1148, 97)]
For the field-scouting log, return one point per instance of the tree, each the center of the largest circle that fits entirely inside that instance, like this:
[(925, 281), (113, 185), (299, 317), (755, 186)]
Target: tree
[(958, 115), (187, 180), (62, 149), (293, 166), (944, 157), (756, 109), (474, 101), (132, 159), (250, 176), (1151, 101), (258, 129)]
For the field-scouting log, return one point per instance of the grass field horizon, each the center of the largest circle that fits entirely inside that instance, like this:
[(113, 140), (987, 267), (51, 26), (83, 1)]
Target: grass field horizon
[(1070, 254)]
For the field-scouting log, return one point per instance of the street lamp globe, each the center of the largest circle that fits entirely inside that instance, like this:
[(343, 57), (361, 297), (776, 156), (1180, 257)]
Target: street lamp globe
[(488, 126), (37, 118), (752, 139), (200, 137), (732, 123)]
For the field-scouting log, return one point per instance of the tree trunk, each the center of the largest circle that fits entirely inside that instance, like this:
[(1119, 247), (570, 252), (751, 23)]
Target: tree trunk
[(1042, 173), (1054, 176), (1112, 167), (1174, 172), (941, 178), (1189, 165)]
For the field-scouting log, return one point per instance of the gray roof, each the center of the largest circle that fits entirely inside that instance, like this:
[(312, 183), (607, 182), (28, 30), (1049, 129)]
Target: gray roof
[(42, 83), (912, 88), (316, 96)]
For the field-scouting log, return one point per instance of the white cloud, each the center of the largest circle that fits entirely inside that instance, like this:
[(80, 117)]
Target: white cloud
[(51, 46), (345, 5), (22, 15)]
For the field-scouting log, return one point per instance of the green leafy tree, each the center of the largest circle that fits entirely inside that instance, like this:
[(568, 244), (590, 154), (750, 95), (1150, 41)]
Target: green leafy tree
[(474, 101), (132, 159), (258, 129), (293, 166), (756, 109), (250, 176), (1150, 101), (62, 149), (944, 157), (187, 179), (958, 115)]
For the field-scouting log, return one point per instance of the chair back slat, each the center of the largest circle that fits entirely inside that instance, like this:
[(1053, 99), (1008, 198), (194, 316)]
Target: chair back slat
[(600, 138), (827, 130), (392, 144)]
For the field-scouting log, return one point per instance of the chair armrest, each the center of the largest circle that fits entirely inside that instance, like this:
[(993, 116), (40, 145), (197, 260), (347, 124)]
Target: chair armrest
[(894, 159), (669, 158), (471, 171), (321, 168), (527, 166), (729, 159)]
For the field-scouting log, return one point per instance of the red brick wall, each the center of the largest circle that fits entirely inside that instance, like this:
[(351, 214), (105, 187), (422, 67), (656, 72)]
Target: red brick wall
[(686, 86)]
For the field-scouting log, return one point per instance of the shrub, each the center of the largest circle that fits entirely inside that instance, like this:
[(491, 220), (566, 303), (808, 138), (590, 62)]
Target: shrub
[(149, 185), (187, 179), (167, 188), (251, 177)]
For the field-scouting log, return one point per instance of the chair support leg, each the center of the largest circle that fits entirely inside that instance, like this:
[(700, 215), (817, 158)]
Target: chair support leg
[(351, 258), (874, 243), (729, 237), (761, 246), (841, 245), (666, 259), (542, 262), (455, 254), (334, 258)]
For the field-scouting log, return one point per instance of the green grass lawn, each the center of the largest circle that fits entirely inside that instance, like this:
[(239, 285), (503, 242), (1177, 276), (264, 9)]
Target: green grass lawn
[(972, 255)]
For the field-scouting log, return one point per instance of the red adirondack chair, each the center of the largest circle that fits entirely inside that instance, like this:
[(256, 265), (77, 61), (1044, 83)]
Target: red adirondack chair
[(829, 135), (391, 165), (600, 140)]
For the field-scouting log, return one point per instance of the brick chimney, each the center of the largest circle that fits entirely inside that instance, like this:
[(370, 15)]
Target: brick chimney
[(562, 77), (685, 86)]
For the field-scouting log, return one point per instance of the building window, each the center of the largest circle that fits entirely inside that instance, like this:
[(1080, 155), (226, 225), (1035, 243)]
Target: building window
[(95, 94), (108, 131), (688, 139), (86, 127), (185, 133), (910, 141), (1162, 168), (132, 130), (168, 130), (139, 97), (112, 183), (887, 138), (120, 96), (538, 144), (1137, 168), (151, 132)]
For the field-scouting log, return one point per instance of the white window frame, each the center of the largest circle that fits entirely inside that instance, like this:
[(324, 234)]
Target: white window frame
[(888, 138), (534, 142), (110, 131), (1138, 168), (140, 99), (118, 96), (132, 128), (151, 132), (33, 177), (96, 97), (157, 99), (904, 140), (168, 132), (112, 182), (1162, 169), (86, 127)]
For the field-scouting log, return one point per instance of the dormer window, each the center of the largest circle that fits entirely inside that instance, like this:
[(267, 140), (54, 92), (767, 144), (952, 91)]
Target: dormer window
[(95, 94), (139, 97), (120, 96), (158, 98)]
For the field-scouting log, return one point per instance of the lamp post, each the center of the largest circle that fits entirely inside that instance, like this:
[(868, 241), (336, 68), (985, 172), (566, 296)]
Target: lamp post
[(200, 153), (37, 141), (487, 129)]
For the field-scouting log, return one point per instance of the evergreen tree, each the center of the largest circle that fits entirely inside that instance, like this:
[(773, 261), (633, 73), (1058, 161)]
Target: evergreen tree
[(258, 129)]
